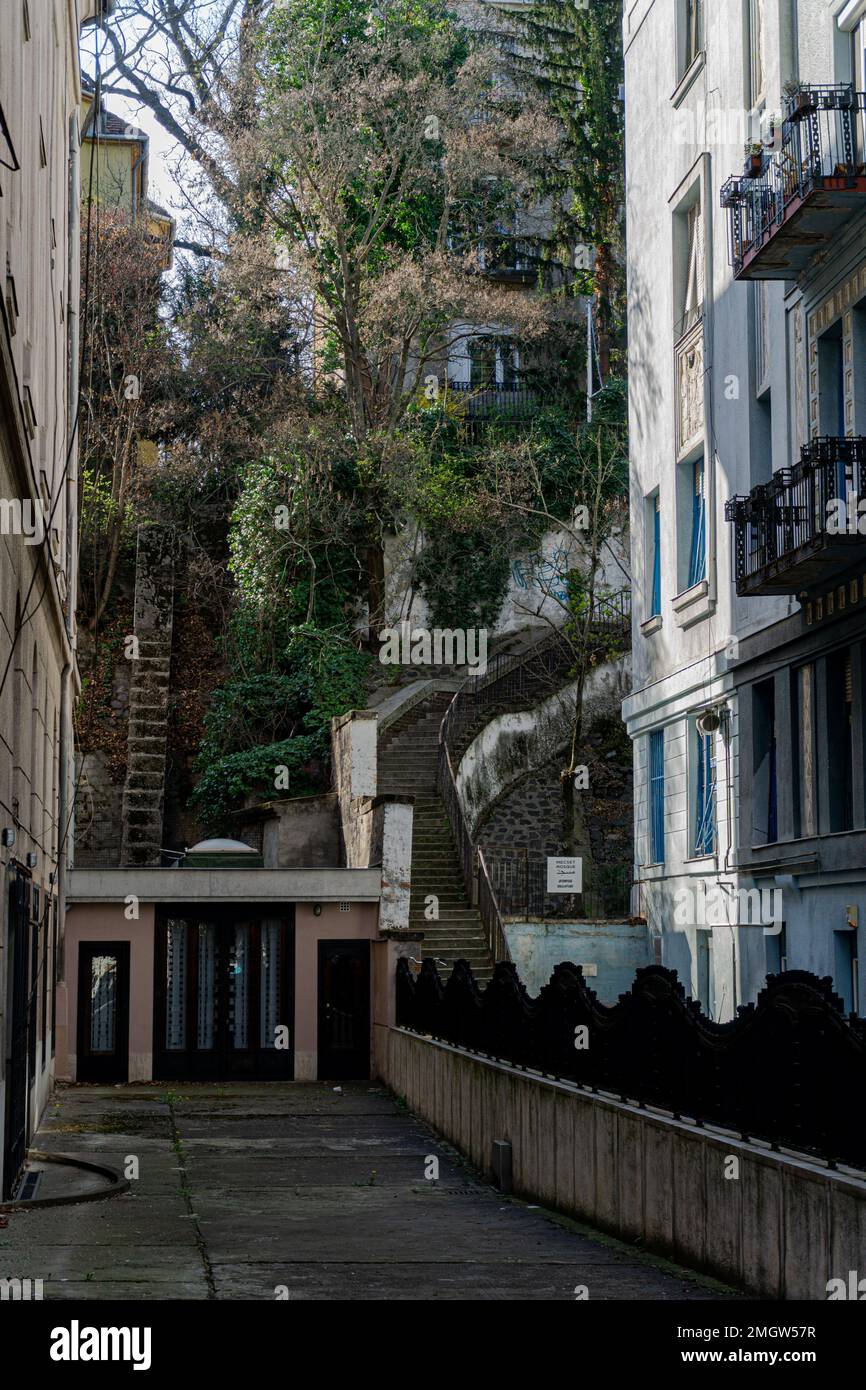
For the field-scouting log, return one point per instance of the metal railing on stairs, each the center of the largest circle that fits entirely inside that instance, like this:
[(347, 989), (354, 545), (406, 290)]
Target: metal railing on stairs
[(508, 679)]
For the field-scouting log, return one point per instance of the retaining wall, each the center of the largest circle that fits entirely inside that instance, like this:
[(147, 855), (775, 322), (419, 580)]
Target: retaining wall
[(782, 1229)]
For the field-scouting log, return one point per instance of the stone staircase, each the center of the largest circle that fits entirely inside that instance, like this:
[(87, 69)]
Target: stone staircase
[(407, 767), (144, 789)]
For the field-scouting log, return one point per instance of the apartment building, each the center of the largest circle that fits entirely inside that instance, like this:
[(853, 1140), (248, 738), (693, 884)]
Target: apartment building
[(40, 95), (746, 207)]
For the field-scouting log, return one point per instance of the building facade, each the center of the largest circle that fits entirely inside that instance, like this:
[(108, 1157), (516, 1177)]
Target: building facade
[(745, 174), (40, 96)]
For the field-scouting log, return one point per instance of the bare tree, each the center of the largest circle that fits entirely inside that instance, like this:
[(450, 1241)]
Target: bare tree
[(596, 480)]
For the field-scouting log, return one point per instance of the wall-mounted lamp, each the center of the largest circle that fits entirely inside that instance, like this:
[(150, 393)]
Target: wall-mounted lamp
[(317, 909), (8, 837), (31, 859)]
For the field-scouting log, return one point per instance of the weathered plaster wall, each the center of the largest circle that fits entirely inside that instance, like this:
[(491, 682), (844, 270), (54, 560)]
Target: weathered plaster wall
[(613, 950)]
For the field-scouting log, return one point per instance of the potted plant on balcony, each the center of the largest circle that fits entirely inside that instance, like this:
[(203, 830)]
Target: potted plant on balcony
[(756, 160), (801, 100)]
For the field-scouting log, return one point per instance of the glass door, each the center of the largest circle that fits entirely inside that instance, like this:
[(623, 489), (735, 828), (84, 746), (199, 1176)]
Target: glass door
[(103, 1011)]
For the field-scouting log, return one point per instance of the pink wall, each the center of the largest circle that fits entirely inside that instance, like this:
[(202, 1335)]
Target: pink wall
[(358, 923), (106, 922)]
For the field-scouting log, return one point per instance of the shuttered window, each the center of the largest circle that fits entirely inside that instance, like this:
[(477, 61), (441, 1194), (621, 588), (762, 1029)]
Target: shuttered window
[(657, 797)]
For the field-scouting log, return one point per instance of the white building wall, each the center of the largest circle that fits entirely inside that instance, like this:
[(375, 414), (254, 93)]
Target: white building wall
[(685, 129)]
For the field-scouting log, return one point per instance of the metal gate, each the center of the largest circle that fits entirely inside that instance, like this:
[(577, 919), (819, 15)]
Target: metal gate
[(15, 1130)]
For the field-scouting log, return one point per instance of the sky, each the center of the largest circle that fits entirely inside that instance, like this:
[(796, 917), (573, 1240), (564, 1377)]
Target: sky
[(163, 149)]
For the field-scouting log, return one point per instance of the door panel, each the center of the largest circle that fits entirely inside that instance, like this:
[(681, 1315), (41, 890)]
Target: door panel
[(103, 1011), (223, 989), (344, 1010)]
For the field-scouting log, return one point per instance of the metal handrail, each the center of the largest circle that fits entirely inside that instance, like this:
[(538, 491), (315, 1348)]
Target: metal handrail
[(506, 676)]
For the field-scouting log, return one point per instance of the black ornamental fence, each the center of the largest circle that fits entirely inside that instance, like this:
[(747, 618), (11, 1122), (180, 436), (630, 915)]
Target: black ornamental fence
[(789, 1070)]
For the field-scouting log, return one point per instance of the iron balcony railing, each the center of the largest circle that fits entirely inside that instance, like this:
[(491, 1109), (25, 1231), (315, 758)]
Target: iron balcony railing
[(822, 149), (788, 530), (491, 400)]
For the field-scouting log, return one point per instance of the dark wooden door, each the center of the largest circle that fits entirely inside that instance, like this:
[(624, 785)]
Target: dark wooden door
[(103, 1011), (17, 1014), (344, 1010)]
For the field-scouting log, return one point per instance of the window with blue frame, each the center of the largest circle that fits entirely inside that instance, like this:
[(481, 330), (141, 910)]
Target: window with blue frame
[(657, 797), (698, 550), (655, 557), (704, 838)]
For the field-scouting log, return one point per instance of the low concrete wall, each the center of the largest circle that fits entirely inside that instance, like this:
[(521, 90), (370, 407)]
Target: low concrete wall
[(781, 1229)]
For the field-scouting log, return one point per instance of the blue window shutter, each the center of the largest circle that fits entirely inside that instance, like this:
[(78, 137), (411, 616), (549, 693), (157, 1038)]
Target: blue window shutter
[(657, 560), (698, 557), (705, 796), (657, 797)]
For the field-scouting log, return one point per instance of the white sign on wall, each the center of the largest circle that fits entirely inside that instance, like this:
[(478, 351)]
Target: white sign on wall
[(564, 875)]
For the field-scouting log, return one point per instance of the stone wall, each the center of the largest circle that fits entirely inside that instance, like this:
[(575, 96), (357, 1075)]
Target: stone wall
[(781, 1229)]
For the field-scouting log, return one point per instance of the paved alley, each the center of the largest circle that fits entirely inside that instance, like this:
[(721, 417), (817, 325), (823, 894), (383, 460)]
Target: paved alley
[(246, 1190)]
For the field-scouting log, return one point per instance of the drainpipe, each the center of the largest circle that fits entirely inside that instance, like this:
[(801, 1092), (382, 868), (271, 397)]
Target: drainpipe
[(73, 290), (135, 167)]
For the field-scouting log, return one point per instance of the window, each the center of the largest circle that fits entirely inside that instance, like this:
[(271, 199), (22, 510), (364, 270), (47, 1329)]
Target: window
[(693, 297), (654, 555), (706, 993), (698, 547), (693, 15), (756, 51), (845, 968), (764, 789), (831, 382), (858, 326), (840, 738), (657, 797), (704, 793)]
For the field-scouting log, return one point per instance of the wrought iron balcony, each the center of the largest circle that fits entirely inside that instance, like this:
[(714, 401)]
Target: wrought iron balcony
[(511, 260), (494, 400), (805, 192), (791, 534)]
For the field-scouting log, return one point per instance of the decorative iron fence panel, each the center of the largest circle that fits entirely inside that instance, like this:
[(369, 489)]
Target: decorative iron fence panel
[(790, 1069)]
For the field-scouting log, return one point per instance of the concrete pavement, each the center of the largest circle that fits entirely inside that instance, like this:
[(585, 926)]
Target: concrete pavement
[(288, 1190)]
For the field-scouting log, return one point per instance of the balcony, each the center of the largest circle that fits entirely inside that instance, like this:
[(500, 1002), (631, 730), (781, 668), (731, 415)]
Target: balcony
[(510, 260), (790, 534), (805, 192)]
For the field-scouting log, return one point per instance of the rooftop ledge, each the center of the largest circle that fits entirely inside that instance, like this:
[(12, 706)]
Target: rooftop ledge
[(229, 885)]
